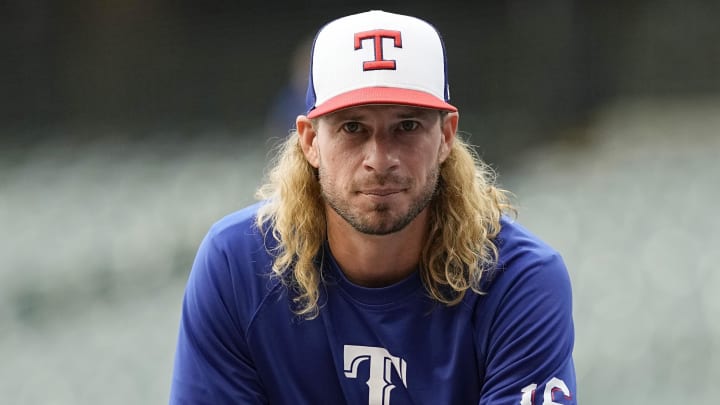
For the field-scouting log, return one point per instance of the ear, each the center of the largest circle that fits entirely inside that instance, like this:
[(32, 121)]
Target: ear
[(449, 127), (307, 136)]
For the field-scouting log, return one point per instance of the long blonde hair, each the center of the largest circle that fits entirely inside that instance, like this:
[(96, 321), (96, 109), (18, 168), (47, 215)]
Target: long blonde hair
[(464, 220)]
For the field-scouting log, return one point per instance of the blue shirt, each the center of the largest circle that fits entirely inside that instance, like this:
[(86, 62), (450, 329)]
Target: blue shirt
[(241, 343)]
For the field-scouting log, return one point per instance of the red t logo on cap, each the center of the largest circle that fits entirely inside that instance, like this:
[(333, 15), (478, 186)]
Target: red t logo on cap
[(377, 36)]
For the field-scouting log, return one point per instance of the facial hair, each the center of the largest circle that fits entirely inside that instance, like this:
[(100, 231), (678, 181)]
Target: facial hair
[(380, 220)]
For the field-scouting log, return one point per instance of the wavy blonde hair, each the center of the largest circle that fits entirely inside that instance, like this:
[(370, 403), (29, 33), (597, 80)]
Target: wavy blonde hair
[(464, 220)]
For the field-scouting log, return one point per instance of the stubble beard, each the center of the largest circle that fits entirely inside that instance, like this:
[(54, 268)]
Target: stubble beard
[(380, 220)]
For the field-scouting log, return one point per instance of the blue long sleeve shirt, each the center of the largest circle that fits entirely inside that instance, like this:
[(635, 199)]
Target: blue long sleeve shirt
[(240, 342)]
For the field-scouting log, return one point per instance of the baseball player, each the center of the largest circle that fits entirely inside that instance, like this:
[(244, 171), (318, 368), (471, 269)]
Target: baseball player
[(381, 266)]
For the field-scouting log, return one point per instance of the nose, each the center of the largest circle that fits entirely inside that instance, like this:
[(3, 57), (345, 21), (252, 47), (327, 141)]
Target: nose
[(381, 154)]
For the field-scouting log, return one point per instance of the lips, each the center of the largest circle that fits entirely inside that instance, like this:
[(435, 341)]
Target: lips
[(381, 192)]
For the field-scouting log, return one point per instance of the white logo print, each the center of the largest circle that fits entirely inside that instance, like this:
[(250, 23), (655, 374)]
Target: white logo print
[(381, 364)]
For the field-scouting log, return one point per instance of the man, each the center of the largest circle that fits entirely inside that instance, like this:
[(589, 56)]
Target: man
[(380, 266)]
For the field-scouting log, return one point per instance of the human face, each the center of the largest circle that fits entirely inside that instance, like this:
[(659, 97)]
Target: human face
[(378, 165)]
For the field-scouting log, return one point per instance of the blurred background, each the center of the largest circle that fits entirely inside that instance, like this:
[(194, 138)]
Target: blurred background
[(128, 127)]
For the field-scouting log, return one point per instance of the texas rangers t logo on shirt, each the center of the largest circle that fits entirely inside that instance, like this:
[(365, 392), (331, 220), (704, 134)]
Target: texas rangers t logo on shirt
[(377, 37), (381, 366)]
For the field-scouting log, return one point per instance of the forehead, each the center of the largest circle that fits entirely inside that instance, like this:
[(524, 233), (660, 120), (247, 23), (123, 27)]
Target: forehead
[(381, 111)]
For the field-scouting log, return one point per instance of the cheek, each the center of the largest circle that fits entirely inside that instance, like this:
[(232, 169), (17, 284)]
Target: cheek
[(333, 169), (428, 156), (336, 160), (428, 163)]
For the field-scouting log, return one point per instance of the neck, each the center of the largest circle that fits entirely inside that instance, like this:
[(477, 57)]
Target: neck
[(376, 260)]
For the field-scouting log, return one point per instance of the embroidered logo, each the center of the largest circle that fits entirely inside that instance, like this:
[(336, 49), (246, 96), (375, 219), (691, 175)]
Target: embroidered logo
[(377, 37)]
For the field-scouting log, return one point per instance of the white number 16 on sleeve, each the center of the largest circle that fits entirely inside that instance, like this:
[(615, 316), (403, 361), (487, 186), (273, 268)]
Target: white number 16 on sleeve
[(552, 386)]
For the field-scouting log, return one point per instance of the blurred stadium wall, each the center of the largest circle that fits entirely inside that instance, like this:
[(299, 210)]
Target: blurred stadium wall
[(519, 69), (128, 127)]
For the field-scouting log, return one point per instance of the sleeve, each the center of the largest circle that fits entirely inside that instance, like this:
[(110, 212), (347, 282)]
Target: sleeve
[(529, 348), (212, 361)]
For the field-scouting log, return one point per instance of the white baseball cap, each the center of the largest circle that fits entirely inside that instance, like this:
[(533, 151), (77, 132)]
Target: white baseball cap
[(377, 57)]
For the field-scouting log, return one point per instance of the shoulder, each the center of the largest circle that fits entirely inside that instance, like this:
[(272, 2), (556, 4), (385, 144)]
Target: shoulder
[(238, 238), (530, 278), (234, 263), (525, 319), (523, 255), (515, 240), (228, 284), (530, 286), (236, 227)]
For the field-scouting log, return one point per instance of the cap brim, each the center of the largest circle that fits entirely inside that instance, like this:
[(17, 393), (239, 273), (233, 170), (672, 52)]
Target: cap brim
[(380, 95)]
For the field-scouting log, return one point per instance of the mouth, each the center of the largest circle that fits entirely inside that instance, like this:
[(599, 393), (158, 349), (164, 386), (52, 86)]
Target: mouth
[(384, 192)]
